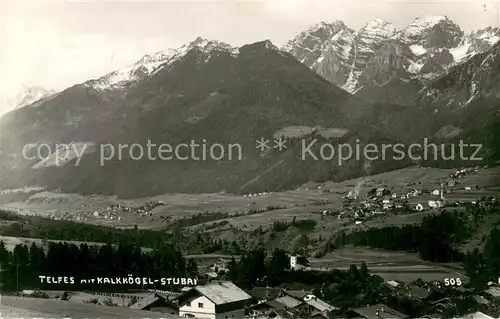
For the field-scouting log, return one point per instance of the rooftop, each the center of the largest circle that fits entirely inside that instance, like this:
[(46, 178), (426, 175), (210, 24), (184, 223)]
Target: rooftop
[(223, 292), (320, 305), (148, 300), (418, 292), (384, 312), (493, 291), (289, 301)]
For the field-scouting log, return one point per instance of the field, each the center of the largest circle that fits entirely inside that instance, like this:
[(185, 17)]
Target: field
[(18, 307), (389, 265), (400, 266), (303, 203)]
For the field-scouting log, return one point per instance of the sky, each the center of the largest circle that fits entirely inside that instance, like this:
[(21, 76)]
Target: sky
[(55, 43)]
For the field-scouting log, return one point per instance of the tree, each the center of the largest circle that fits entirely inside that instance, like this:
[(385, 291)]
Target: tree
[(233, 269), (277, 265), (192, 268), (363, 271)]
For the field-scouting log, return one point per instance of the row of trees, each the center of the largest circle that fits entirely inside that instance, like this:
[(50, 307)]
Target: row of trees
[(47, 229), (22, 266)]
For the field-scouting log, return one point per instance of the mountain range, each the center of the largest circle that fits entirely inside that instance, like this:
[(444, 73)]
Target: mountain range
[(23, 96), (329, 83)]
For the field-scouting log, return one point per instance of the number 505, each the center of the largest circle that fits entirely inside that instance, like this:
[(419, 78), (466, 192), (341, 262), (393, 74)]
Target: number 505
[(453, 282)]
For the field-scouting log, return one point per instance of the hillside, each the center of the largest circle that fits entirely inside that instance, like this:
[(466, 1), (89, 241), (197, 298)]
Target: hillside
[(209, 93)]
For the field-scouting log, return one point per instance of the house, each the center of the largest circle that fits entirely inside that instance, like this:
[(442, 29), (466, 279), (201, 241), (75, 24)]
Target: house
[(493, 292), (297, 294), (480, 300), (477, 315), (279, 314), (392, 284), (296, 306), (157, 302), (298, 262), (320, 305), (211, 275), (289, 302), (219, 266), (310, 299), (320, 315), (220, 300), (418, 293), (268, 308), (378, 311), (265, 293)]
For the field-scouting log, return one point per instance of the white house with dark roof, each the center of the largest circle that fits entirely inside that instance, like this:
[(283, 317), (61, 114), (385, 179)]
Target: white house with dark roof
[(218, 300)]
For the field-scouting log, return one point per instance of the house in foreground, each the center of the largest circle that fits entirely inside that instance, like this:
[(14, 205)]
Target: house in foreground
[(217, 300), (477, 315), (157, 302), (291, 303), (378, 311)]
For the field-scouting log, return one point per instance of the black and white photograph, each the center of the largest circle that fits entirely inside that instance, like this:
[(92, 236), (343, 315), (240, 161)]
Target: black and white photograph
[(266, 159)]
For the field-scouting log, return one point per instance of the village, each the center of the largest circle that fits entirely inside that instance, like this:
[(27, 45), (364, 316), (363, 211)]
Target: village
[(357, 207), (383, 201), (219, 298)]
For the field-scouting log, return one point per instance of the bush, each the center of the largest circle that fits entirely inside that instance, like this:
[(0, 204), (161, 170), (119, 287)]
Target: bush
[(305, 224), (93, 300), (109, 302), (280, 226)]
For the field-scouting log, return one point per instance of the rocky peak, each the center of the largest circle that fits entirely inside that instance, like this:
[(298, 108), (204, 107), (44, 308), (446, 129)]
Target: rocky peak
[(206, 46), (370, 38), (379, 27), (157, 57), (313, 38), (258, 48), (482, 40), (390, 61), (432, 31)]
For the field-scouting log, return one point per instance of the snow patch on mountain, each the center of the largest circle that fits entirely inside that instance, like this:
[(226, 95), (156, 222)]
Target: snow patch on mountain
[(23, 96), (420, 25), (430, 45), (151, 63)]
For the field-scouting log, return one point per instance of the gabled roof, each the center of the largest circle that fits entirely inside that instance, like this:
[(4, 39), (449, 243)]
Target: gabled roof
[(265, 293), (481, 300), (477, 315), (221, 293), (418, 292), (493, 291), (289, 301), (281, 313), (371, 312), (150, 299), (320, 314), (274, 304), (320, 305), (298, 294)]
